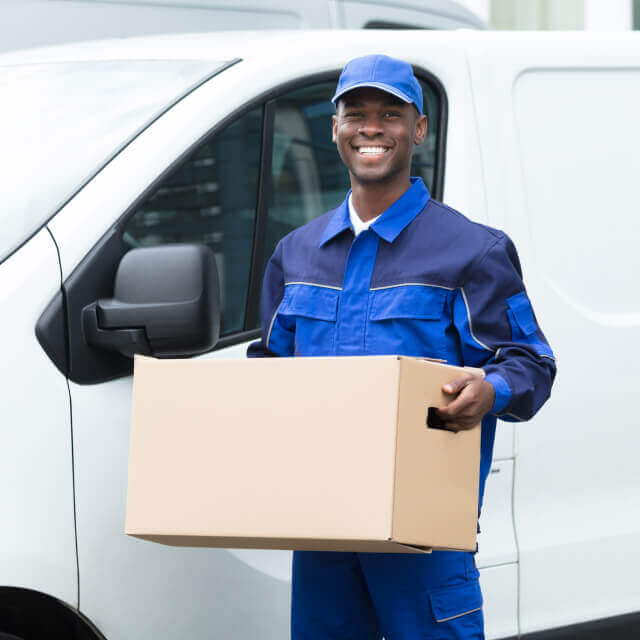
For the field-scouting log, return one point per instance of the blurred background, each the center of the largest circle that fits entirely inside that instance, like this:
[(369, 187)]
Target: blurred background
[(558, 15), (29, 23)]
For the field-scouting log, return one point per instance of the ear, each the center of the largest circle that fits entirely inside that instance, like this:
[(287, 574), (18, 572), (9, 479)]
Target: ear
[(420, 129), (334, 128)]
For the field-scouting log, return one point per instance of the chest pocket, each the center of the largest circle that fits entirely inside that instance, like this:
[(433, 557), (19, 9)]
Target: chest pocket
[(407, 320), (314, 310)]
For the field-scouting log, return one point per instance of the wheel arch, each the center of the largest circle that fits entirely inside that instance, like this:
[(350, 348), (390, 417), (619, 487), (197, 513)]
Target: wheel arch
[(27, 614)]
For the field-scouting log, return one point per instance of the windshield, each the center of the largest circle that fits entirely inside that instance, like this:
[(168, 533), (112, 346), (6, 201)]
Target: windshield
[(61, 122)]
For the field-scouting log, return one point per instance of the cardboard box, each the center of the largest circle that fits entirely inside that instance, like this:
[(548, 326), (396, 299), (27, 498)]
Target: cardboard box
[(299, 453)]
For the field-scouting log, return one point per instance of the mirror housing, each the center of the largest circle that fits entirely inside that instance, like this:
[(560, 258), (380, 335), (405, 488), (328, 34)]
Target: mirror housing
[(166, 303)]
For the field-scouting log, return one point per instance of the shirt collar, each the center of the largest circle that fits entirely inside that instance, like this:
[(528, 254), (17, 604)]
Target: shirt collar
[(391, 221)]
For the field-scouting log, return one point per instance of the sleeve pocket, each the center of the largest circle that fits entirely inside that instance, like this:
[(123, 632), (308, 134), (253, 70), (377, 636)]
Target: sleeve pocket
[(309, 301), (522, 313), (455, 601), (409, 301)]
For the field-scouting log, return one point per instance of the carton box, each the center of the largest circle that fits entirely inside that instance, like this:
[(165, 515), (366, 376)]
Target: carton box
[(299, 453)]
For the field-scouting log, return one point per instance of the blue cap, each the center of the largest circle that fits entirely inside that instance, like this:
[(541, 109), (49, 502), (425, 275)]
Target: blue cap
[(381, 72)]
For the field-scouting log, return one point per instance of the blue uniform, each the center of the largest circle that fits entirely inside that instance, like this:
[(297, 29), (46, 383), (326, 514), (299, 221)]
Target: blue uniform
[(422, 281)]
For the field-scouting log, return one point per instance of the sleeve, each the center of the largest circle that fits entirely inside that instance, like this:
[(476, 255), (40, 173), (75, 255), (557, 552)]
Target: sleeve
[(278, 332), (498, 331)]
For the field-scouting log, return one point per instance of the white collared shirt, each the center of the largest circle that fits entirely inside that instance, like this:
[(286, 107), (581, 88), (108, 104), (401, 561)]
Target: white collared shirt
[(357, 224)]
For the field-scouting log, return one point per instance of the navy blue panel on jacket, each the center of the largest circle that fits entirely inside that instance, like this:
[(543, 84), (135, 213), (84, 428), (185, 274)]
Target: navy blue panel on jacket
[(422, 281)]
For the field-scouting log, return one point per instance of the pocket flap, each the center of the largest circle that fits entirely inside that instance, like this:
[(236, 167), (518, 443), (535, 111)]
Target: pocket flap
[(455, 601), (408, 301), (523, 313), (310, 301)]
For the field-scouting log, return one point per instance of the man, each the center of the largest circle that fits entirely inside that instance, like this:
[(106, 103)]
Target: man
[(392, 271)]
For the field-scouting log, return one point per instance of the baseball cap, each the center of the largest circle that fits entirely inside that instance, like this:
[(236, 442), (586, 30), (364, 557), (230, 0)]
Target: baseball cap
[(381, 72)]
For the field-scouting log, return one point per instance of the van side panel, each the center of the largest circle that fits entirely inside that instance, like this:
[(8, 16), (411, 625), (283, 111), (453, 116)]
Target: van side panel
[(559, 128)]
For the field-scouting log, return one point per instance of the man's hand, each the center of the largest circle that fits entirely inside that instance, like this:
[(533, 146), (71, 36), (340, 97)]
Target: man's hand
[(475, 400)]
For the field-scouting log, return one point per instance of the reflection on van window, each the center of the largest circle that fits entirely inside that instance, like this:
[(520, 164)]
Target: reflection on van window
[(308, 175), (211, 199)]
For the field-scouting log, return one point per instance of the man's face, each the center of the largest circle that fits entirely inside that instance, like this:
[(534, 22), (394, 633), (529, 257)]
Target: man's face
[(375, 133)]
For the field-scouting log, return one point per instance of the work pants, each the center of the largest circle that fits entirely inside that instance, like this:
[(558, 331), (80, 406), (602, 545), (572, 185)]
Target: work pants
[(365, 596)]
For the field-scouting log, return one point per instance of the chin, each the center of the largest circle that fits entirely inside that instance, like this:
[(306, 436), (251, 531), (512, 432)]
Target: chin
[(372, 176)]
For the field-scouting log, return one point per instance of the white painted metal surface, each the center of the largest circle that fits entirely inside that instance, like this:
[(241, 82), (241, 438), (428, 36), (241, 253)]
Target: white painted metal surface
[(37, 540), (500, 594), (503, 445), (496, 542), (558, 124)]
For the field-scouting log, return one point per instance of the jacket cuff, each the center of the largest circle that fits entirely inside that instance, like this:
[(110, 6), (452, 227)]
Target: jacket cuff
[(503, 392)]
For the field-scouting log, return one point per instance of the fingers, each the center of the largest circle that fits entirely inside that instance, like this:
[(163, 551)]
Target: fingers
[(455, 386), (473, 402)]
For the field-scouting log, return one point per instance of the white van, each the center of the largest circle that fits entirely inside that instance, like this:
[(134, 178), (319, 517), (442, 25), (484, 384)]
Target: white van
[(224, 140), (34, 23)]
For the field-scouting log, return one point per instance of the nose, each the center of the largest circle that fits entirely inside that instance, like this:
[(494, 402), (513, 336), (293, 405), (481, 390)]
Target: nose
[(371, 126)]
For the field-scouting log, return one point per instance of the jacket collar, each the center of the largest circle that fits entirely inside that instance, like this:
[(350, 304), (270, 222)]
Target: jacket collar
[(392, 220)]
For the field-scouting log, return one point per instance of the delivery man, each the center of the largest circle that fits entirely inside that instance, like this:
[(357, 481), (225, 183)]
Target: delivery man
[(392, 271)]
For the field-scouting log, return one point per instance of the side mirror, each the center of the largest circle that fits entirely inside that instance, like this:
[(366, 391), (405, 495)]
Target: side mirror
[(166, 303)]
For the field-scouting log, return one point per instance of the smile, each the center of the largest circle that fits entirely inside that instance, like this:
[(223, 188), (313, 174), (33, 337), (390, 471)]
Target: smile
[(372, 151)]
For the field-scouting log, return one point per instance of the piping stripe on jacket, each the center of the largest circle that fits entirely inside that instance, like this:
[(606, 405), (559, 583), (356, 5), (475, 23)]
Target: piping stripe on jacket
[(466, 304), (314, 284), (275, 313), (411, 284)]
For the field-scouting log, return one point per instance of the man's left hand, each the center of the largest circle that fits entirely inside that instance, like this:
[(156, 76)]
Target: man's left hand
[(475, 399)]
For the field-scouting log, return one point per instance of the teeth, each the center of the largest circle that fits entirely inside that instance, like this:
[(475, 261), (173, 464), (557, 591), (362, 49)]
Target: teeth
[(371, 149)]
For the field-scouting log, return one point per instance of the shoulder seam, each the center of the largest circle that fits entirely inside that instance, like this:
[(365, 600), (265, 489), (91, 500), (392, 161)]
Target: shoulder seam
[(496, 233), (476, 265)]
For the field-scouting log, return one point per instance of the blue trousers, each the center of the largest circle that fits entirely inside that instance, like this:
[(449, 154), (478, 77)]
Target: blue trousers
[(365, 596)]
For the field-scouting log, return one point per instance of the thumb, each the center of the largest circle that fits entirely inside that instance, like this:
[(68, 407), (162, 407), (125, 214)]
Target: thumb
[(456, 385)]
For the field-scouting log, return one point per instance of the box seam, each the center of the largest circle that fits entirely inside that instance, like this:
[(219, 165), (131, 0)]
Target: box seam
[(395, 453)]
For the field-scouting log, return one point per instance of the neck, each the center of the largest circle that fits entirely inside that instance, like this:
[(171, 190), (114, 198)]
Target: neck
[(370, 199)]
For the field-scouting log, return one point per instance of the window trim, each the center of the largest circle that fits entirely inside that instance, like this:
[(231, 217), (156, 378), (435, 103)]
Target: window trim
[(265, 185)]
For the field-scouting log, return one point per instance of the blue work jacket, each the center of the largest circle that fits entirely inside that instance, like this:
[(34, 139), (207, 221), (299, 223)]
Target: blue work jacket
[(422, 281)]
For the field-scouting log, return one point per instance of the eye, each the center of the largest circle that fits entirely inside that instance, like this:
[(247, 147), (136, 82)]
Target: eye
[(353, 114), (392, 114)]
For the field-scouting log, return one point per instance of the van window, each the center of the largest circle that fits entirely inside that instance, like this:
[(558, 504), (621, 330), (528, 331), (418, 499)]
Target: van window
[(61, 122), (211, 199), (308, 177)]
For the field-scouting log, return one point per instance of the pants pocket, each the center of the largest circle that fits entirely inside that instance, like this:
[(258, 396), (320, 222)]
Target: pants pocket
[(457, 610)]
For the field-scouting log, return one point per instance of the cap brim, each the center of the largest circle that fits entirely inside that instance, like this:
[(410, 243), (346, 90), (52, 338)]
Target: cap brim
[(376, 85)]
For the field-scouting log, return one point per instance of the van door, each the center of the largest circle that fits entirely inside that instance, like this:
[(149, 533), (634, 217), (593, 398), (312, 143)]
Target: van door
[(558, 121), (37, 536)]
